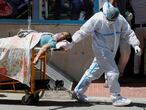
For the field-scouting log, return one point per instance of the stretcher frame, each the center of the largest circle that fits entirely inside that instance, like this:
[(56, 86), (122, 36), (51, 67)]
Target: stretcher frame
[(32, 95)]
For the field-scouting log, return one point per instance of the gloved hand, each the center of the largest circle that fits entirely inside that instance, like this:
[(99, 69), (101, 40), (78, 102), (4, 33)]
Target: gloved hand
[(137, 50), (128, 16), (64, 44)]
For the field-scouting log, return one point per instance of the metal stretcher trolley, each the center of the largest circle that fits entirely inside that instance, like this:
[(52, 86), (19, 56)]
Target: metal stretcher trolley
[(32, 94)]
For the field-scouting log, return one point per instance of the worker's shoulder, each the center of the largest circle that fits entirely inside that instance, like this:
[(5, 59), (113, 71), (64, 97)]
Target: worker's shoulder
[(121, 18), (98, 15)]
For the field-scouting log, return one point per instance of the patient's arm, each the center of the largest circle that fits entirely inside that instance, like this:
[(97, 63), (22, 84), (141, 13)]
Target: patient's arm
[(41, 51)]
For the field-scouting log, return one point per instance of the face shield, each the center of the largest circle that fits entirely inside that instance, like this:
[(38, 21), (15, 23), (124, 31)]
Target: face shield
[(112, 14)]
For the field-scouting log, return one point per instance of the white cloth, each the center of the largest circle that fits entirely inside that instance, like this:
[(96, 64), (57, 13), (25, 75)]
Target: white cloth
[(15, 56)]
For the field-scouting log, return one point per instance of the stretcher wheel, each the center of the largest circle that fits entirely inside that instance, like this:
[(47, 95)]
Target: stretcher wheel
[(30, 99)]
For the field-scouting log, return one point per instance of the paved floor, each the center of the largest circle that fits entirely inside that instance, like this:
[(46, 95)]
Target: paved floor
[(134, 89), (61, 100)]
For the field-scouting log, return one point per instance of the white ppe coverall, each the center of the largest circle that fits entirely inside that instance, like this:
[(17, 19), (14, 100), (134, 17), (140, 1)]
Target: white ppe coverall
[(105, 41)]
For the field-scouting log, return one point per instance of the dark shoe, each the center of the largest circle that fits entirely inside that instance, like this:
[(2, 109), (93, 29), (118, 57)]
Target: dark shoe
[(79, 97)]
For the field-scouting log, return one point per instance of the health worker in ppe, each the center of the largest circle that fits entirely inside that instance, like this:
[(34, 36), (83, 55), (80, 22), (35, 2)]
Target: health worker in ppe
[(106, 29)]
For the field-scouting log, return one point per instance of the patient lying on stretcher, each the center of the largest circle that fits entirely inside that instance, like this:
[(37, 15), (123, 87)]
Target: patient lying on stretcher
[(47, 41), (15, 52)]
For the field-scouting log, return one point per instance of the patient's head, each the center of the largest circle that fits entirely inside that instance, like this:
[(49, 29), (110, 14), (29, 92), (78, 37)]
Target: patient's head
[(63, 36)]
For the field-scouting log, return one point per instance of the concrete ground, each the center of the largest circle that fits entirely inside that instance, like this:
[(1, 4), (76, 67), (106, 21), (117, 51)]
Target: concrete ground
[(61, 100)]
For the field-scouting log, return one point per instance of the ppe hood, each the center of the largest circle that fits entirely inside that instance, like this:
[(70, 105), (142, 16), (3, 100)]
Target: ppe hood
[(110, 11)]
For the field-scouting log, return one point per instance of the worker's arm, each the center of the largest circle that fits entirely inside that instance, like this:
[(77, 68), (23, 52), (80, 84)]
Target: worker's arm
[(41, 51)]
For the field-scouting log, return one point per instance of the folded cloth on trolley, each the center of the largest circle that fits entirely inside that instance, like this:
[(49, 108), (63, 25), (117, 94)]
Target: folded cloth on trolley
[(15, 55)]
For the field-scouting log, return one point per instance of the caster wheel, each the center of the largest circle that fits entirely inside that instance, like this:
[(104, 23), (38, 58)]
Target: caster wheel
[(27, 99), (30, 99)]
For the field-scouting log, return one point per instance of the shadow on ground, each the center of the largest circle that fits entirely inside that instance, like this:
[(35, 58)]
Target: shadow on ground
[(67, 104)]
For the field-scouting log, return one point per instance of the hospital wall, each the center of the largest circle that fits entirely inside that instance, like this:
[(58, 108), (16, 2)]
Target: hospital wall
[(73, 62)]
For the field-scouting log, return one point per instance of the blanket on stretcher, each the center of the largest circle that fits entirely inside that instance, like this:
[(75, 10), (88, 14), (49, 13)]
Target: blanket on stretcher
[(15, 56)]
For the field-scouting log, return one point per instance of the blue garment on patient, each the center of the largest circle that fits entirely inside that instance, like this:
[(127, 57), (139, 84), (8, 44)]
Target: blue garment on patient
[(47, 39)]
